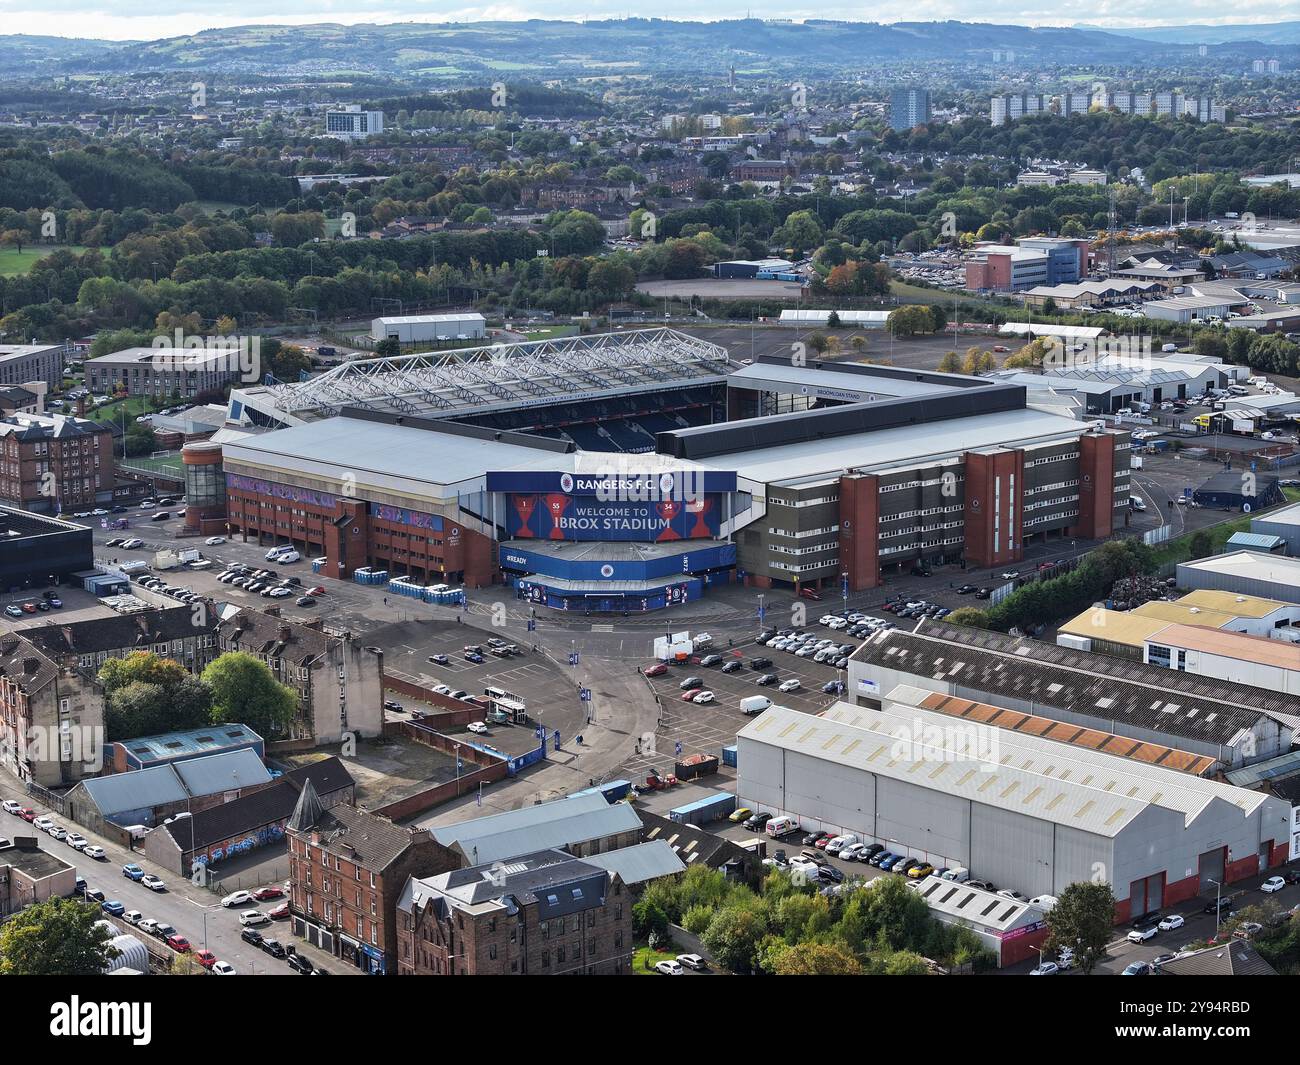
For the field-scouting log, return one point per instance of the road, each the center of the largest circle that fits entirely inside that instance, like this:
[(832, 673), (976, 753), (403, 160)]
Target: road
[(194, 911)]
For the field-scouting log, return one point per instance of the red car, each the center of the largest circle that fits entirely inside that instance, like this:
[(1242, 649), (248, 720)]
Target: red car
[(318, 590), (280, 913), (27, 813), (179, 943), (687, 696), (657, 670), (205, 958), (272, 892), (29, 608)]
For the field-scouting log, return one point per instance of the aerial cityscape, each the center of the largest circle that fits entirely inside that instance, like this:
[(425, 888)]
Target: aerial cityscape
[(712, 493)]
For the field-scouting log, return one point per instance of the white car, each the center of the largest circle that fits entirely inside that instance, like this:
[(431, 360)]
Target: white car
[(280, 593), (442, 689), (692, 961), (152, 882), (43, 823), (477, 727), (213, 541), (1043, 902), (703, 697), (791, 685), (1173, 921), (94, 850), (1272, 884), (10, 807), (237, 898), (249, 918), (825, 619), (148, 504), (669, 968), (76, 841), (133, 543), (1141, 935), (223, 968), (133, 917), (1047, 968), (148, 925), (58, 832)]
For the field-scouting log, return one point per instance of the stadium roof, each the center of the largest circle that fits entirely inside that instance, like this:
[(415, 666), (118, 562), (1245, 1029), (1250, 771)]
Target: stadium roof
[(480, 379)]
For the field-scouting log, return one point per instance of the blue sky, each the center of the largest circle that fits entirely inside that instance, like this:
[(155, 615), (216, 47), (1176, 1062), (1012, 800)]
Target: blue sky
[(106, 19)]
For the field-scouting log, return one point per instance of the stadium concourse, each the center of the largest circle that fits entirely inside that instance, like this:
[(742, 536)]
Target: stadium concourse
[(633, 470)]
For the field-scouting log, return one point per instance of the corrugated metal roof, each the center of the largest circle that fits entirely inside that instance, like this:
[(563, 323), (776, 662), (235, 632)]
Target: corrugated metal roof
[(1084, 789), (574, 819), (645, 861), (138, 790), (227, 771)]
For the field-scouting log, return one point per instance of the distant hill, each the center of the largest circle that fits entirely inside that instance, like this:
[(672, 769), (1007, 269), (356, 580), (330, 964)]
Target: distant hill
[(422, 50), (1274, 33)]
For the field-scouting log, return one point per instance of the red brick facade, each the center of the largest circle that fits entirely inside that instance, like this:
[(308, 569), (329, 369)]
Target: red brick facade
[(995, 485), (350, 534), (1096, 486), (859, 530)]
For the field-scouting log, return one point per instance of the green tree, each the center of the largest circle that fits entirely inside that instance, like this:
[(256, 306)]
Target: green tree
[(59, 937), (648, 918), (906, 963), (970, 616), (244, 691), (733, 938), (1083, 919), (1201, 544), (140, 667), (815, 959), (950, 363)]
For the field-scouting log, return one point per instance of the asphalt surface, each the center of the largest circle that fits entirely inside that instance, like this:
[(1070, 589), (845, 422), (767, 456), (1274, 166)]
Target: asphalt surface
[(194, 911)]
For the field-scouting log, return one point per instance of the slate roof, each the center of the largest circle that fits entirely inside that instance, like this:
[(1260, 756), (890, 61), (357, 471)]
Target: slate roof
[(1107, 688), (119, 631), (1234, 958), (24, 664)]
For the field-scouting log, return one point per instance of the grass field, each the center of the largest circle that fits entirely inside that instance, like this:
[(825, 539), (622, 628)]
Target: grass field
[(131, 408), (904, 291), (12, 261), (168, 463)]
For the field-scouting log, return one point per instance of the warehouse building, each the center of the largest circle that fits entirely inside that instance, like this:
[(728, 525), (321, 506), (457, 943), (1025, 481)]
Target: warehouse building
[(1232, 724), (1244, 491), (1273, 665), (1125, 632), (1283, 523), (1012, 931), (1250, 573), (1025, 812), (37, 550), (428, 328)]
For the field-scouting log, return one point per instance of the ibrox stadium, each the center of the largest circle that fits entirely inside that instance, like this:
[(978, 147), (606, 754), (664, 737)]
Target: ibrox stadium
[(633, 470)]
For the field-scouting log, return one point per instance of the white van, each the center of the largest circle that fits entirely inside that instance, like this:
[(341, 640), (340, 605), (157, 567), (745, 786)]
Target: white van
[(285, 557), (276, 552), (840, 842), (781, 826), (958, 876), (754, 704)]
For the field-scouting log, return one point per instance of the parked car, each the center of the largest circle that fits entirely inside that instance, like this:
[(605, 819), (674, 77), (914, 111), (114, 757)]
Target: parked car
[(113, 906), (178, 943), (237, 898), (132, 872), (1171, 922), (95, 851), (273, 948), (153, 883), (1046, 968), (669, 967), (253, 918), (1273, 883)]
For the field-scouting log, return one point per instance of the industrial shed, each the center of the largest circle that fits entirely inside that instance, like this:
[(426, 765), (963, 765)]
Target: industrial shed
[(417, 328), (1028, 813), (1249, 573), (1240, 490)]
